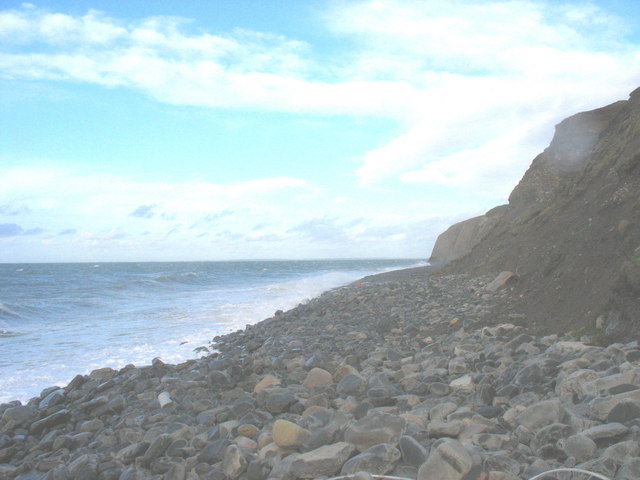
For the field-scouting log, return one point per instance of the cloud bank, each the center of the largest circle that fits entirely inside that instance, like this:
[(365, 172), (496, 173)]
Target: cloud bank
[(474, 88)]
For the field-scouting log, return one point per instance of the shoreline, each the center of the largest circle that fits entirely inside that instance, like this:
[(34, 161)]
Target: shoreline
[(398, 376), (111, 327)]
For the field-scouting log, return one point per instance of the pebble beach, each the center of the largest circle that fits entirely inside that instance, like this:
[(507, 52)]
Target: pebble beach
[(403, 374)]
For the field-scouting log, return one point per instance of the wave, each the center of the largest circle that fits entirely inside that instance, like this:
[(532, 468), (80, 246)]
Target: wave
[(9, 333), (185, 277), (7, 312)]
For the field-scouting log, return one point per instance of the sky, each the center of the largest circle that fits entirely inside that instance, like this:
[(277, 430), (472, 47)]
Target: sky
[(246, 129)]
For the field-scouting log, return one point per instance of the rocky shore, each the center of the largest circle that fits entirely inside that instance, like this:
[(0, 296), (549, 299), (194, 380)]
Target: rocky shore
[(410, 376)]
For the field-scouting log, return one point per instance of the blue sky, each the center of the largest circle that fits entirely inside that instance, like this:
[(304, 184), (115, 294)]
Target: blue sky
[(209, 130)]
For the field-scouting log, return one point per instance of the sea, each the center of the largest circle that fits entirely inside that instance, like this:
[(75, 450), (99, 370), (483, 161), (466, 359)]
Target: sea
[(60, 320)]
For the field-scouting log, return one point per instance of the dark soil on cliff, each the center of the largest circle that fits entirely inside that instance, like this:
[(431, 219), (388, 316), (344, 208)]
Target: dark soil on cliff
[(571, 231)]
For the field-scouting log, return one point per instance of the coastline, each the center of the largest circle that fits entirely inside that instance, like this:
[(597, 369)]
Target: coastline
[(396, 374)]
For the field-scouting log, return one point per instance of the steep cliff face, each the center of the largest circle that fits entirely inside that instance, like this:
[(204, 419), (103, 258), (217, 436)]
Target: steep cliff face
[(571, 231), (458, 240)]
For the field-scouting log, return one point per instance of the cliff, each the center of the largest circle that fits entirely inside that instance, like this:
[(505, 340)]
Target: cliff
[(571, 230), (460, 238)]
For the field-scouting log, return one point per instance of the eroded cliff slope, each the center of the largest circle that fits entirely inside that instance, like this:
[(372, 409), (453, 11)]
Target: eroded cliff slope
[(571, 230)]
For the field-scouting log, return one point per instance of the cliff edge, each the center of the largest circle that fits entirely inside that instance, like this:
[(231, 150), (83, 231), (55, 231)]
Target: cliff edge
[(571, 229)]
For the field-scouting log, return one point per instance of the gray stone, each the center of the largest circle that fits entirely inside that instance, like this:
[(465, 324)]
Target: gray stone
[(61, 416), (622, 452), (157, 448), (375, 428), (579, 447), (445, 429), (494, 441), (377, 460), (413, 452), (529, 375), (128, 454), (501, 281), (449, 460), (17, 416), (213, 452), (541, 414), (323, 461), (439, 389), (440, 412), (602, 406), (234, 462), (351, 384), (551, 434), (280, 402), (53, 398), (630, 470), (282, 469), (606, 431), (624, 412), (502, 463)]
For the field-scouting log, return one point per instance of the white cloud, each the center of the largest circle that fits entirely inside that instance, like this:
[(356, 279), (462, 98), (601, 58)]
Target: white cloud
[(474, 86), (483, 72), (241, 69), (453, 73)]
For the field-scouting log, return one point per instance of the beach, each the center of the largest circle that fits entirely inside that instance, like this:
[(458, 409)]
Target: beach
[(406, 374)]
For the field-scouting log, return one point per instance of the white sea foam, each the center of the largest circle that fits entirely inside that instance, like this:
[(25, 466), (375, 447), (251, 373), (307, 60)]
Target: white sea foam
[(116, 315)]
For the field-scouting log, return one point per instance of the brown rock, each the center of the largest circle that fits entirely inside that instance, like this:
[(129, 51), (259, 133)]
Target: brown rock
[(288, 435), (267, 381), (317, 377)]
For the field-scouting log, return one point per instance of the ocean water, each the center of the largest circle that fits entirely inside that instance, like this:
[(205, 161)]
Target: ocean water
[(59, 320)]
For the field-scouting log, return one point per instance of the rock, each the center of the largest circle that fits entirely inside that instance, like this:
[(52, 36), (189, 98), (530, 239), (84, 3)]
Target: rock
[(164, 399), (214, 451), (351, 384), (317, 377), (503, 464), (602, 406), (439, 389), (412, 452), (267, 381), (541, 414), (494, 441), (288, 435), (279, 402), (605, 431), (248, 430), (575, 382), (465, 382), (17, 416), (234, 462), (52, 420), (128, 454), (445, 429), (448, 460), (501, 281), (625, 411), (377, 460), (580, 447), (53, 398), (156, 449), (457, 366), (375, 428), (322, 462), (630, 470), (440, 412), (92, 426), (529, 375), (622, 452)]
